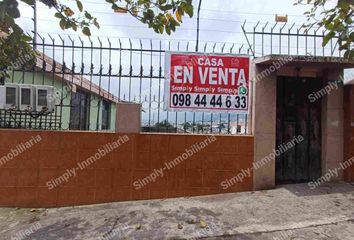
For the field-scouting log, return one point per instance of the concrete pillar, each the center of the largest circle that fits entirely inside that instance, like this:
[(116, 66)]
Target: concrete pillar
[(332, 125), (348, 130), (264, 128), (128, 118)]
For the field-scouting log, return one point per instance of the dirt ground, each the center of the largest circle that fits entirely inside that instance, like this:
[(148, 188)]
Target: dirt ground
[(288, 212)]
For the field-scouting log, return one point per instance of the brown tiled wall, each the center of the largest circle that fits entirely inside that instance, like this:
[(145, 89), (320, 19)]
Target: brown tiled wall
[(349, 130), (23, 180)]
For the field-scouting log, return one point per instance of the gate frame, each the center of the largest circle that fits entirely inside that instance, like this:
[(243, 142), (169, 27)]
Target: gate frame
[(264, 104)]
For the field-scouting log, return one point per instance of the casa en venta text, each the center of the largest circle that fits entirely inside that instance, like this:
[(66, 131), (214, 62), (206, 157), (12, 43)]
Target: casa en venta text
[(207, 82)]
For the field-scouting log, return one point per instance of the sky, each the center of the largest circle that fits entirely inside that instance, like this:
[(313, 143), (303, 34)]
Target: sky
[(220, 19), (220, 23)]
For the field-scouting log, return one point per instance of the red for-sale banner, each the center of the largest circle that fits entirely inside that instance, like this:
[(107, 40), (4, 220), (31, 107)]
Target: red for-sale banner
[(207, 82)]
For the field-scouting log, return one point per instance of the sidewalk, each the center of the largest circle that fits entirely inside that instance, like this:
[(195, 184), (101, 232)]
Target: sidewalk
[(289, 212)]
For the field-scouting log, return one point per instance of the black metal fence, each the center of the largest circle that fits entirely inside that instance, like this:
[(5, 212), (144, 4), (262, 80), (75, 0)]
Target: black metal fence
[(96, 70), (289, 39), (127, 70), (25, 120)]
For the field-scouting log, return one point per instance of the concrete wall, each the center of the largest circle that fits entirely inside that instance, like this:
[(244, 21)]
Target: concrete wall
[(47, 79), (24, 178), (349, 130)]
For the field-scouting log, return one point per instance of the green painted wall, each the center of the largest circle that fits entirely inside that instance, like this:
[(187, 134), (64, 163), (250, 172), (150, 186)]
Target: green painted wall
[(95, 115)]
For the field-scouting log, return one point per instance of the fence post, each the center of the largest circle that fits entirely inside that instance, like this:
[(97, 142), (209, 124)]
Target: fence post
[(128, 118)]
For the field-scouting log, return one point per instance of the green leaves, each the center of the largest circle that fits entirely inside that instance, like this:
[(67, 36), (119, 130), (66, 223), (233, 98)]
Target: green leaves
[(189, 10), (29, 2), (83, 21), (86, 31), (79, 5), (186, 7), (88, 15), (141, 2), (68, 12), (149, 15), (26, 38), (166, 7), (10, 8), (327, 38), (50, 3), (59, 15), (349, 54), (338, 21), (97, 25), (160, 15), (62, 23)]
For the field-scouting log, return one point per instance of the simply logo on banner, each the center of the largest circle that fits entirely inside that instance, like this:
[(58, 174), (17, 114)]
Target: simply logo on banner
[(207, 82)]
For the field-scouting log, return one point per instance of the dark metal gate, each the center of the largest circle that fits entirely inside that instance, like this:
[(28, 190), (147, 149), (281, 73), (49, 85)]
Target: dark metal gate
[(297, 115)]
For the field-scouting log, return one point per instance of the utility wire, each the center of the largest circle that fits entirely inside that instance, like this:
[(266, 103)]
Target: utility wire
[(219, 11), (144, 27)]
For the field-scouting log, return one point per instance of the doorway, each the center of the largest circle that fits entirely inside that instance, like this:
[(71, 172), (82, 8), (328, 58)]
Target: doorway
[(298, 115)]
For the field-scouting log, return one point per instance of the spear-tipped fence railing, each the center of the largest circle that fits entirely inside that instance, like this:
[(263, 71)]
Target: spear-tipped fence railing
[(289, 39), (99, 70)]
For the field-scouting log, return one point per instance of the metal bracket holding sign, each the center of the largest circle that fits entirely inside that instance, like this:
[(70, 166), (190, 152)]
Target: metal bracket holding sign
[(200, 82)]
